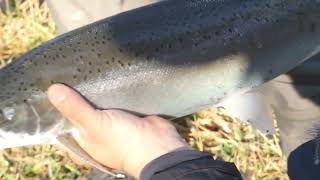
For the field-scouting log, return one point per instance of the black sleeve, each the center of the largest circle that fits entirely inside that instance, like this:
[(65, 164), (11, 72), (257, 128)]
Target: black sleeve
[(189, 164)]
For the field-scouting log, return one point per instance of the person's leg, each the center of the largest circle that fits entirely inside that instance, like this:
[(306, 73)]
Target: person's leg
[(72, 14), (304, 162)]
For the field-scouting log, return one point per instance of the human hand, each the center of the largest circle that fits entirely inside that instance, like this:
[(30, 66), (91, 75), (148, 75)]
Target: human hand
[(115, 138)]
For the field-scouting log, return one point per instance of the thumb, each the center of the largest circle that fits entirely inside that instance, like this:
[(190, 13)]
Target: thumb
[(72, 105)]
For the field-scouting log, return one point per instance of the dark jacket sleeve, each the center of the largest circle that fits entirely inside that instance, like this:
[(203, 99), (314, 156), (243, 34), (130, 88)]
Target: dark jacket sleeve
[(189, 164)]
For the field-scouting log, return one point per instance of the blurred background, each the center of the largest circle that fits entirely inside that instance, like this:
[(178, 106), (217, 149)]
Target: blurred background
[(26, 24)]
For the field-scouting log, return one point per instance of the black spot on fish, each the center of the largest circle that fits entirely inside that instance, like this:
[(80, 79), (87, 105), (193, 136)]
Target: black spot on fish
[(121, 64), (267, 5), (312, 27), (270, 71)]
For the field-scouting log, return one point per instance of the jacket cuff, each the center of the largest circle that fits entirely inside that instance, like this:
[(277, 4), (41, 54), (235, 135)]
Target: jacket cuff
[(169, 160)]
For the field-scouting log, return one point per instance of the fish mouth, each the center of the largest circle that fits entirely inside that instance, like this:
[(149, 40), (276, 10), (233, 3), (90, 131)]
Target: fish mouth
[(2, 117)]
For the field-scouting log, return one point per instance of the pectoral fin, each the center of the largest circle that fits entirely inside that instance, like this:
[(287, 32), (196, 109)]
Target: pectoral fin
[(70, 143)]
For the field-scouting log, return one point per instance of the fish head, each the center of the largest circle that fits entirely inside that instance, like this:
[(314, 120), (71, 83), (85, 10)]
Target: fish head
[(29, 122)]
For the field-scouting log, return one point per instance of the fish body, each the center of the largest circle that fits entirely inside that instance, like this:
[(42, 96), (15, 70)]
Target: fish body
[(170, 58)]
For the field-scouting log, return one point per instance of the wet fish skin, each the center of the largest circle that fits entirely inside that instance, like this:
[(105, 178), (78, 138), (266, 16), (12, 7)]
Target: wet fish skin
[(171, 58)]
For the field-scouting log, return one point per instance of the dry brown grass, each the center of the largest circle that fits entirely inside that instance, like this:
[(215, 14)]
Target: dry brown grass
[(38, 162), (257, 155), (22, 28)]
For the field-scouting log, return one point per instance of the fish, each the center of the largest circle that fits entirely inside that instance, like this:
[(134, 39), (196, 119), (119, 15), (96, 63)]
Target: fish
[(170, 58)]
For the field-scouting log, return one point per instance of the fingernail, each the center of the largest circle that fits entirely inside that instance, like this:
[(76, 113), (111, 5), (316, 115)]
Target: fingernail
[(57, 93)]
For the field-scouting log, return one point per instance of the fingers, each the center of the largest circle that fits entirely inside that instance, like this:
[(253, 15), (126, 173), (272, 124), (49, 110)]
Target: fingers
[(73, 106)]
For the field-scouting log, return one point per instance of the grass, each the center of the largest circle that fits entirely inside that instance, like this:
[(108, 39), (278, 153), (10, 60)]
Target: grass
[(38, 162), (23, 27), (258, 156)]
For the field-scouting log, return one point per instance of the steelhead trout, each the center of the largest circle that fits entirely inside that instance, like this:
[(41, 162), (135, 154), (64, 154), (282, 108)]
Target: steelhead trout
[(170, 58)]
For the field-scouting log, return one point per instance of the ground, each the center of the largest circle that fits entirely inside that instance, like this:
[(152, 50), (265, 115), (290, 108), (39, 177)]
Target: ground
[(258, 156)]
